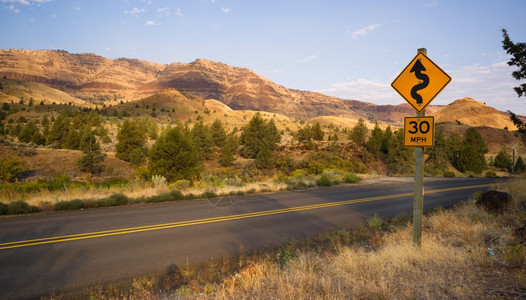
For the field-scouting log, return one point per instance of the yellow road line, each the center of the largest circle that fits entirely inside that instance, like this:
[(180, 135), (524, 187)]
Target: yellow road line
[(91, 235)]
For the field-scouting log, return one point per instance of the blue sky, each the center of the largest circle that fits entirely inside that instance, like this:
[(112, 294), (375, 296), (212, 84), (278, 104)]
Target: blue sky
[(349, 49)]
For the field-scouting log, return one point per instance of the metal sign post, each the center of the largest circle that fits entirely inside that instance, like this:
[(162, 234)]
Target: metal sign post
[(418, 84)]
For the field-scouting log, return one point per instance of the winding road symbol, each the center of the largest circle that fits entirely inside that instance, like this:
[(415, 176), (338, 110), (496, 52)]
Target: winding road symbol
[(420, 81), (417, 68)]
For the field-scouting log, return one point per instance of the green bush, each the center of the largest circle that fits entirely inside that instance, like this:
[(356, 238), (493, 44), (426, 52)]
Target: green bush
[(21, 207), (113, 200), (375, 222), (68, 205), (161, 198), (351, 178), (177, 195), (209, 194), (491, 174), (3, 209), (324, 181), (449, 174), (10, 169)]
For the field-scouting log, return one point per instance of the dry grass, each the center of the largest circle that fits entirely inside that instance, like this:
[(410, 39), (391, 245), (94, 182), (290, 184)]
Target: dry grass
[(453, 262), (366, 263)]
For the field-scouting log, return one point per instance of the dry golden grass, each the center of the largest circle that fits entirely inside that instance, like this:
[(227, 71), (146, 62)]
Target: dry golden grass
[(452, 263)]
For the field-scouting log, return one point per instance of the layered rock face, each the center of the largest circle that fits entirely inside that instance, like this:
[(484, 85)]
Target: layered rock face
[(95, 78)]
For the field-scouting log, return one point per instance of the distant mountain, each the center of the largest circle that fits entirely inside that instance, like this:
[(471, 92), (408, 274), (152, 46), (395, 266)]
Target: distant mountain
[(96, 79)]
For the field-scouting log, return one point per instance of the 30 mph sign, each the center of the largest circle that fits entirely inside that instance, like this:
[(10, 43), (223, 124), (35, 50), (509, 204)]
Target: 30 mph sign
[(419, 131)]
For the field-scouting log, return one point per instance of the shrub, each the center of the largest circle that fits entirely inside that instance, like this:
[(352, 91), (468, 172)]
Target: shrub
[(449, 174), (3, 209), (68, 205), (113, 200), (20, 207), (491, 174), (10, 169), (514, 256), (351, 178), (176, 195), (209, 194), (375, 222), (324, 181), (161, 198)]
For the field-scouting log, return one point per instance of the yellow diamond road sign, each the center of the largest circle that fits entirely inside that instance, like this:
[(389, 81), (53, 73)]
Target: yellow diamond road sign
[(420, 82)]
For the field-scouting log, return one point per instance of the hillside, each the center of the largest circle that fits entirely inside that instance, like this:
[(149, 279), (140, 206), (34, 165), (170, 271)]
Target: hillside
[(62, 77), (101, 80), (474, 113)]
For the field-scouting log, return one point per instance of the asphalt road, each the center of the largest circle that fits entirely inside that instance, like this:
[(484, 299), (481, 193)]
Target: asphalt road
[(55, 252)]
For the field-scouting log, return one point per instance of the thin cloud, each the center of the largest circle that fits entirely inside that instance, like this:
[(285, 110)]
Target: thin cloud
[(179, 13), (432, 3), (151, 23), (307, 58), (226, 10), (23, 2), (134, 11), (364, 31), (163, 12), (14, 9), (492, 84)]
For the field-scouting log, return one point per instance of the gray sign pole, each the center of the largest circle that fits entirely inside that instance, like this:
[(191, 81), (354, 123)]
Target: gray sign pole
[(418, 200)]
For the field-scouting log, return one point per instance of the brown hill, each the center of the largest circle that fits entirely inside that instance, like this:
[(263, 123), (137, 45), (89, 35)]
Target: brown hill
[(473, 113), (98, 79), (101, 80)]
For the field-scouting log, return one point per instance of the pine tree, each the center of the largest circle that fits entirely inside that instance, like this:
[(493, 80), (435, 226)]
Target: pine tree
[(174, 157), (72, 141), (520, 166), (130, 137), (59, 131), (503, 161), (253, 134), (202, 139), (388, 140), (272, 135), (437, 156), (317, 132), (374, 144), (218, 133), (87, 141), (472, 153), (227, 155), (359, 132), (518, 51), (28, 131), (265, 158)]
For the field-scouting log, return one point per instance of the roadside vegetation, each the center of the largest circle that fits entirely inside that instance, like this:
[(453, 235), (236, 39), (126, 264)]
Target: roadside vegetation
[(467, 252), (128, 152)]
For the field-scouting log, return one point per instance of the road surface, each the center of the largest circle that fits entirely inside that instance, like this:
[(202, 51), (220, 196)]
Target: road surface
[(64, 251)]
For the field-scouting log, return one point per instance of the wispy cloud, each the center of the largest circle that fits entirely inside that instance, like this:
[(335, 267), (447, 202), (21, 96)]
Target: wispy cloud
[(432, 3), (307, 58), (14, 9), (23, 2), (163, 12), (364, 31), (225, 10), (492, 84), (179, 13), (134, 11), (151, 23)]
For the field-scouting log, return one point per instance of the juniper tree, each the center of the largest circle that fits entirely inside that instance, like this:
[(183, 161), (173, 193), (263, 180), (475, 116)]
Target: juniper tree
[(174, 157), (359, 132), (130, 137)]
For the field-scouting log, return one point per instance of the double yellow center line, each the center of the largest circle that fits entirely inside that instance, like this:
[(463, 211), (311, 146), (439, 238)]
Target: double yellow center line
[(91, 235)]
